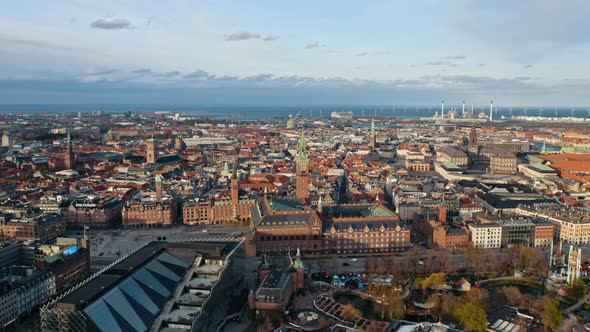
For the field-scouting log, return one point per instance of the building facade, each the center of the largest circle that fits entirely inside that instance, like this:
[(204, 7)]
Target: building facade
[(302, 170), (23, 289), (32, 226), (572, 224), (68, 259), (485, 236), (281, 225), (94, 212)]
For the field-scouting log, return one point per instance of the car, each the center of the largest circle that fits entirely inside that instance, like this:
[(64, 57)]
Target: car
[(420, 262), (204, 230), (354, 260), (345, 264)]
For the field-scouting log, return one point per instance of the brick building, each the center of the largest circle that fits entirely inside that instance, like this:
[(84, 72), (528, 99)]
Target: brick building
[(31, 226), (139, 212), (68, 259), (226, 207), (94, 212)]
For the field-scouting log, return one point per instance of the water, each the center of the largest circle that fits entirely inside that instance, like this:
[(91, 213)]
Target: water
[(253, 112)]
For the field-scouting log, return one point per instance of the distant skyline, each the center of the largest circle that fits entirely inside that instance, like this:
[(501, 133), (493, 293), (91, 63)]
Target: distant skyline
[(417, 52)]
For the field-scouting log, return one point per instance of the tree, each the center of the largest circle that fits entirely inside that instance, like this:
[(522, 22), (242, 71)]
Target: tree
[(577, 289), (395, 306), (472, 315), (531, 260), (443, 260), (350, 313), (436, 300), (513, 296), (447, 305), (551, 316), (479, 295), (435, 279), (474, 255)]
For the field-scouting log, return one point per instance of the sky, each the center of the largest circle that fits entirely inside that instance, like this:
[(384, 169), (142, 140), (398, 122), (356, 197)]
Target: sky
[(415, 52)]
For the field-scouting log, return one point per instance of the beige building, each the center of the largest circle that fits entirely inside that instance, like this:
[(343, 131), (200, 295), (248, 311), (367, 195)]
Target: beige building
[(572, 224)]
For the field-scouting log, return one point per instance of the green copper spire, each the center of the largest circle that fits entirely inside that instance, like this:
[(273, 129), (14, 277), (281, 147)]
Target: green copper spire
[(302, 152), (159, 178), (298, 264)]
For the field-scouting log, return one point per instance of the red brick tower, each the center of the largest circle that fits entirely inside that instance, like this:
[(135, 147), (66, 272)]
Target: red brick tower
[(302, 170)]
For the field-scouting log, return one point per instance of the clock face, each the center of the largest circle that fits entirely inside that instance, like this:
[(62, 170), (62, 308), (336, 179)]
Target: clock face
[(303, 169)]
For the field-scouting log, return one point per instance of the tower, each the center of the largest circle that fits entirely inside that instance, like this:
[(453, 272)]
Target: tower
[(442, 109), (69, 158), (463, 109), (473, 135), (373, 137), (299, 268), (302, 170), (150, 157), (158, 188), (491, 110), (179, 143), (7, 140), (235, 186)]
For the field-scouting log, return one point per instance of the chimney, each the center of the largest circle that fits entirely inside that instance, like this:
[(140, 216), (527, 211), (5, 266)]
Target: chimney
[(463, 109)]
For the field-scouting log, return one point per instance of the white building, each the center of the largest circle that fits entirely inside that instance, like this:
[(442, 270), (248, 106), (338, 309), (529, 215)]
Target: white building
[(488, 235)]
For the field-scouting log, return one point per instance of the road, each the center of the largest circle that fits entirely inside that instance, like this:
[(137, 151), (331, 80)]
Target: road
[(431, 262)]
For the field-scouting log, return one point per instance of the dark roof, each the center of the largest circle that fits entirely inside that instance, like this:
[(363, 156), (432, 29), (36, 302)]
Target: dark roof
[(357, 211), (286, 204), (359, 226), (272, 279), (286, 219), (468, 183), (169, 158), (512, 202), (186, 251), (456, 231)]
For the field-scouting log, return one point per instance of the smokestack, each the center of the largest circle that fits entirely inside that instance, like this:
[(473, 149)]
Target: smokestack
[(463, 108), (491, 110), (442, 109)]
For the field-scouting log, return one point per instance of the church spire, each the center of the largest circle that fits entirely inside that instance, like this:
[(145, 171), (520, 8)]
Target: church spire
[(69, 159), (373, 137), (302, 151)]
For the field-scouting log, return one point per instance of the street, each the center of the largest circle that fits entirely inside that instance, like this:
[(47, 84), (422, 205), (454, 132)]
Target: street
[(431, 260)]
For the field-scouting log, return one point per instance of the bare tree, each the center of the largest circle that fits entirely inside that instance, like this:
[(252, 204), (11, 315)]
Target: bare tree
[(443, 260)]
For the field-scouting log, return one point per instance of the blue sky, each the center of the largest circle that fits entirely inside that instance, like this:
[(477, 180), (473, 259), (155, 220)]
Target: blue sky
[(295, 52)]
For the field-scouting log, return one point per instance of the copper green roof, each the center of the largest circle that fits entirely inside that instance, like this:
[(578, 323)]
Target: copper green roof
[(361, 210), (53, 258), (302, 151), (542, 167)]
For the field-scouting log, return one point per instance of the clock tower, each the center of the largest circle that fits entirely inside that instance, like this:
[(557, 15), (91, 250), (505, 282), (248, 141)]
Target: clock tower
[(150, 157), (302, 170), (70, 158), (373, 136)]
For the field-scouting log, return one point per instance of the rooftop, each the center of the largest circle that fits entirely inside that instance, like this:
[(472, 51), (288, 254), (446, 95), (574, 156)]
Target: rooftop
[(102, 283)]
